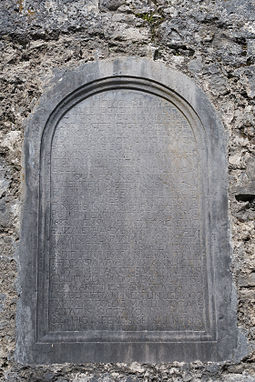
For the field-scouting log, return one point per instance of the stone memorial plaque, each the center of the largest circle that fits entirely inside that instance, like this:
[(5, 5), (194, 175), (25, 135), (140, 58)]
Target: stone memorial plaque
[(125, 248)]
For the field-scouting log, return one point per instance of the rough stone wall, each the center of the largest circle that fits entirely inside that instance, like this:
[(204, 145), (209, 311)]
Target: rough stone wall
[(211, 41)]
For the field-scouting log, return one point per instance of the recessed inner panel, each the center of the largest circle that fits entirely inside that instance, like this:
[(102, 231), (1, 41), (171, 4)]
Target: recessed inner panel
[(126, 248)]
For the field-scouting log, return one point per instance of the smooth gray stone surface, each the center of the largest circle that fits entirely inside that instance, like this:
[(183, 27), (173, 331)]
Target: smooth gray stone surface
[(125, 246)]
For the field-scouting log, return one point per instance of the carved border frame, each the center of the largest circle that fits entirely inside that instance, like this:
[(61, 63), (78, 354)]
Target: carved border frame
[(102, 85)]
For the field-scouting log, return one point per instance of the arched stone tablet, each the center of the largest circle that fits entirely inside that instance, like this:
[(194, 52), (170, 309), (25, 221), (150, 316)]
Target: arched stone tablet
[(125, 247)]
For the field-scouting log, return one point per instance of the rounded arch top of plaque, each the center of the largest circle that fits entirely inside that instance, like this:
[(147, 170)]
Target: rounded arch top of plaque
[(125, 241)]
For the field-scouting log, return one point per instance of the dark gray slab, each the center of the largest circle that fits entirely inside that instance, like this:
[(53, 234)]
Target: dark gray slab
[(125, 246)]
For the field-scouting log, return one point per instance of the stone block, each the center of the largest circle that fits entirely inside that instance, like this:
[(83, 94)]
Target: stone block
[(125, 250)]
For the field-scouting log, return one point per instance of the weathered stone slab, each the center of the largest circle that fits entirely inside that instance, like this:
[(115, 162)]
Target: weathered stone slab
[(125, 249)]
